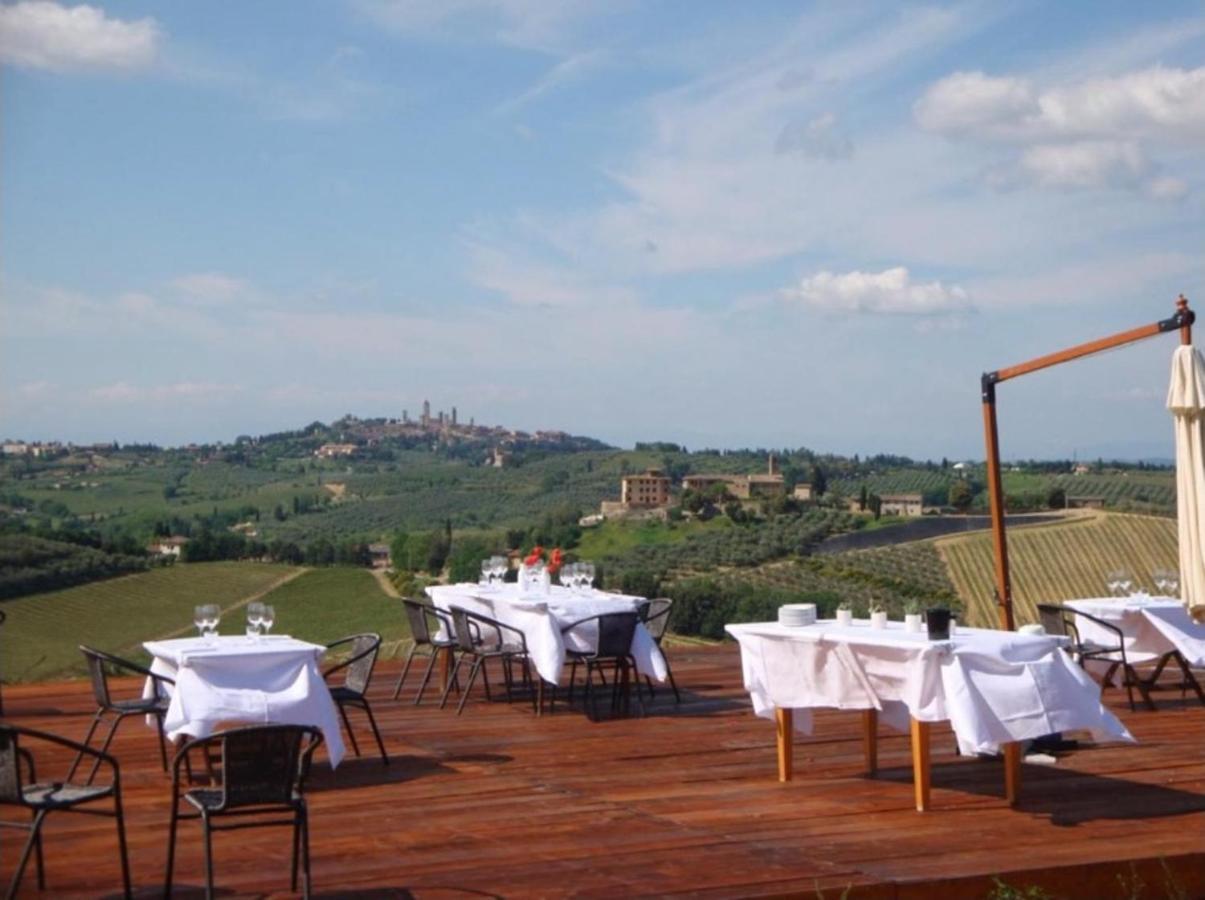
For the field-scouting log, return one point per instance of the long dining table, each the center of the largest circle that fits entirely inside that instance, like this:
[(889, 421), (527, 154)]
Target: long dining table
[(541, 617), (995, 688)]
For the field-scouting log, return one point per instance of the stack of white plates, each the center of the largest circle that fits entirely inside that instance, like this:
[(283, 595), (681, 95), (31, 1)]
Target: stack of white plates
[(797, 615)]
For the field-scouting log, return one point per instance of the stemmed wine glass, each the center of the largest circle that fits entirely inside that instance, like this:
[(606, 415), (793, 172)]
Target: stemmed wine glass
[(1168, 582), (255, 618), (206, 617), (200, 618), (487, 573), (1119, 582), (587, 575), (568, 576), (267, 617)]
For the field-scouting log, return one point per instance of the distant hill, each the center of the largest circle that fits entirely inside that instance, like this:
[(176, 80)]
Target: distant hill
[(29, 565)]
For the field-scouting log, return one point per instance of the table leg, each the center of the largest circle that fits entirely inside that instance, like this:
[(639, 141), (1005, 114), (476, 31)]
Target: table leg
[(1012, 772), (920, 764), (870, 740), (785, 723), (445, 671)]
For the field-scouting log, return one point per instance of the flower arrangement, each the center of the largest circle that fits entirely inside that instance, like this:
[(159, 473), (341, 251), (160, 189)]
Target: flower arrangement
[(555, 559)]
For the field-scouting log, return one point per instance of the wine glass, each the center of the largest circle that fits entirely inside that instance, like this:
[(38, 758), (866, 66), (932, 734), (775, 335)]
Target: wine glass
[(587, 575), (255, 617), (213, 617), (487, 573), (267, 617), (1116, 581), (1168, 582), (500, 566), (200, 618), (568, 576)]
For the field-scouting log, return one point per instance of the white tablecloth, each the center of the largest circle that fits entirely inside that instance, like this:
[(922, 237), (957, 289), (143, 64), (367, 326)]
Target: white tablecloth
[(542, 617), (273, 680), (992, 686), (1150, 627)]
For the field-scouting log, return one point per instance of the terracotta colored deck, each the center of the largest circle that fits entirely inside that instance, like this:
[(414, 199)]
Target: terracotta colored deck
[(499, 803)]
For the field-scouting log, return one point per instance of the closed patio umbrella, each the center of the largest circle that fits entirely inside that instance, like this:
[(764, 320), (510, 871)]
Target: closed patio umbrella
[(1186, 400)]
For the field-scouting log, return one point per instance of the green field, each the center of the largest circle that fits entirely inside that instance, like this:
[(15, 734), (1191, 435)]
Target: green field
[(40, 640), (617, 538), (1052, 563), (43, 632)]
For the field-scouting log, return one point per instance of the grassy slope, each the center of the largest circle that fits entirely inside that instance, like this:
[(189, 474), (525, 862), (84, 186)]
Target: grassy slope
[(43, 631), (1051, 563), (614, 538), (325, 604)]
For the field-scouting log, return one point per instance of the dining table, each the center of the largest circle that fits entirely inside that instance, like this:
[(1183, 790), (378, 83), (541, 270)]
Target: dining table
[(997, 689), (1154, 629), (543, 615), (235, 678)]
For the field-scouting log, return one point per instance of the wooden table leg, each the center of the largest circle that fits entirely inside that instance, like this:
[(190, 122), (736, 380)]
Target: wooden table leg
[(445, 671), (920, 764), (1012, 772), (785, 722), (870, 740)]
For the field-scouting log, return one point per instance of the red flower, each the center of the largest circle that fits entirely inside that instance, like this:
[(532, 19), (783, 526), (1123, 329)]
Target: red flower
[(537, 554), (554, 562)]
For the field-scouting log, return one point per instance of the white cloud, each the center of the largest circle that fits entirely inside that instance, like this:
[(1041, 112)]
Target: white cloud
[(1085, 164), (973, 104), (40, 34), (212, 287), (567, 70), (816, 139), (531, 284), (890, 292)]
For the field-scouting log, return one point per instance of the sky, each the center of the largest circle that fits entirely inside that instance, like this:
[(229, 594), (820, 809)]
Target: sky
[(719, 224)]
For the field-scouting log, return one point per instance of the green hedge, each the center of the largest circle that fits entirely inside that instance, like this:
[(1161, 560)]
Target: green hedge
[(703, 606)]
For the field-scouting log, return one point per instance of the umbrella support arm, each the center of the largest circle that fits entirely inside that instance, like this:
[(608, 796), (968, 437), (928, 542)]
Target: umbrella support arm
[(1182, 321)]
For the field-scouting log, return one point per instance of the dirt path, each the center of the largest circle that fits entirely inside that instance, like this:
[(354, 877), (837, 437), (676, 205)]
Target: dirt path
[(386, 584)]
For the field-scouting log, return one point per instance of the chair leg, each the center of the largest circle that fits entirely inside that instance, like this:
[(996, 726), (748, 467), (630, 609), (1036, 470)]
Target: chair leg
[(351, 735), (305, 852), (121, 843), (34, 830), (39, 862), (100, 714), (468, 688), (208, 847), (670, 673), (159, 717), (104, 748), (397, 688), (171, 849), (422, 685), (452, 679), (296, 849), (376, 732), (485, 679)]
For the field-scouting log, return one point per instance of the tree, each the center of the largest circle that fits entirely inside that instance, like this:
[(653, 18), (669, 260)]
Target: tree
[(875, 503), (960, 495), (863, 499), (1056, 498), (819, 481)]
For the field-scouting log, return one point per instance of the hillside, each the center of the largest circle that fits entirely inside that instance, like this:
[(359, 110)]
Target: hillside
[(1052, 563)]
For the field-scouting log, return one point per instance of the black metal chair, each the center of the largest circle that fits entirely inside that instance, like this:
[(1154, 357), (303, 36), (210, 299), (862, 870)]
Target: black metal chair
[(357, 675), (258, 776), (612, 648), (656, 619), (20, 787), (1060, 620), (155, 705), (421, 617), (483, 639)]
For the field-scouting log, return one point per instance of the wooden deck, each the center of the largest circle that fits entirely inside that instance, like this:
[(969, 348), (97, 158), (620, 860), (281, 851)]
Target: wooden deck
[(683, 801)]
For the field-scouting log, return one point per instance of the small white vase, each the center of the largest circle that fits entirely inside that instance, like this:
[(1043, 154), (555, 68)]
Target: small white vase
[(845, 618), (878, 620), (914, 622)]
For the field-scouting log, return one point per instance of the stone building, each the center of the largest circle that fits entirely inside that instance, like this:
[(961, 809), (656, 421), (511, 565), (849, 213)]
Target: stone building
[(646, 491)]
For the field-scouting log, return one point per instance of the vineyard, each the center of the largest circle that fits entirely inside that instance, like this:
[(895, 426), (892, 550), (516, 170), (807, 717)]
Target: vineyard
[(1052, 563), (891, 576), (43, 631)]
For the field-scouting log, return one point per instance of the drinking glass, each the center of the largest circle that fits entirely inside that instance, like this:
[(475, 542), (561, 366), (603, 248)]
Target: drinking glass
[(487, 573), (1168, 582), (1118, 580), (213, 617), (199, 618), (267, 618), (587, 575), (501, 564), (569, 576), (255, 616)]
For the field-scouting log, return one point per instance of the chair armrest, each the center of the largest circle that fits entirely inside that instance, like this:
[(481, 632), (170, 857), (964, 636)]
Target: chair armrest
[(477, 620), (565, 629), (76, 747), (351, 659)]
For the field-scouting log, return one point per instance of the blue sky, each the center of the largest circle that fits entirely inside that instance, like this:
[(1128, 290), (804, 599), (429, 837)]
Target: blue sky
[(721, 224)]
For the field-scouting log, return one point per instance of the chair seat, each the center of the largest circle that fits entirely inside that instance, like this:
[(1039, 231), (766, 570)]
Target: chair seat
[(141, 705), (339, 694), (211, 799), (50, 796), (1091, 647)]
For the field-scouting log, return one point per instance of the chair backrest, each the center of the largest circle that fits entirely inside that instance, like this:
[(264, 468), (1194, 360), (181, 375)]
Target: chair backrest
[(464, 633), (364, 650), (10, 765), (262, 764), (656, 617), (615, 632), (416, 614), (1053, 618), (96, 660)]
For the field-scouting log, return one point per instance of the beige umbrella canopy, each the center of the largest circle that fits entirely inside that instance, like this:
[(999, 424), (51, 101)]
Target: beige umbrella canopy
[(1186, 401)]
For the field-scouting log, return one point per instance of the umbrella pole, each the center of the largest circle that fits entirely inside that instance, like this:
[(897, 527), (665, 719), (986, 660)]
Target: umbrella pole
[(1181, 321)]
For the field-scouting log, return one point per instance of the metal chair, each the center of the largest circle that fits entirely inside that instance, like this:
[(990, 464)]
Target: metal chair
[(421, 617), (614, 648), (656, 619), (154, 705), (19, 786), (1060, 620), (258, 776), (357, 674), (505, 643)]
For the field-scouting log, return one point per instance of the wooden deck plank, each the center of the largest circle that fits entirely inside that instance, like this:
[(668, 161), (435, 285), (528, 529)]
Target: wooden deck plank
[(685, 802)]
